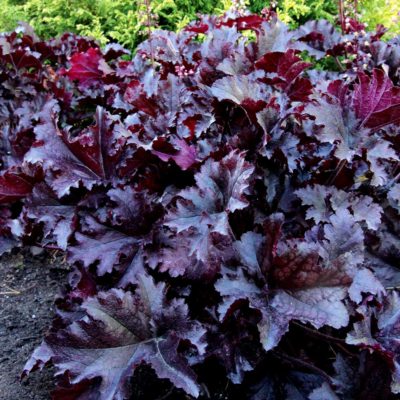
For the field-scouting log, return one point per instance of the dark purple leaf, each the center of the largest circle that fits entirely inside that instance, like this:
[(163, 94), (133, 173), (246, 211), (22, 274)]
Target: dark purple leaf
[(124, 330), (376, 101), (88, 159), (102, 244), (58, 219), (282, 68), (241, 90), (88, 68), (220, 189), (14, 185)]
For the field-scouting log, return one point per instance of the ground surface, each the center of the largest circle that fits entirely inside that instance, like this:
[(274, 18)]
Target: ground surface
[(28, 286)]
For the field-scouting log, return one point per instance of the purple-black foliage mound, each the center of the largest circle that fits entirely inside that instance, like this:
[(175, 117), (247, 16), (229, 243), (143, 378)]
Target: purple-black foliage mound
[(230, 213)]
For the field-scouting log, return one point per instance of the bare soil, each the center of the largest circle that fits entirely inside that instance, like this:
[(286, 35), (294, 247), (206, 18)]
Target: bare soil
[(28, 286)]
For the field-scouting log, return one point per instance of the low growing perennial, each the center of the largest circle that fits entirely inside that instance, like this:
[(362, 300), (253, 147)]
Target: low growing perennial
[(228, 200)]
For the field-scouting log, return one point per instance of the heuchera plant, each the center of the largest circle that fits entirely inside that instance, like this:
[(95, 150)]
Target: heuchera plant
[(230, 213)]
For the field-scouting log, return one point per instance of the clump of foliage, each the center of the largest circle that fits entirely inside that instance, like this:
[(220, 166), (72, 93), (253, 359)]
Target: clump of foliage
[(230, 214)]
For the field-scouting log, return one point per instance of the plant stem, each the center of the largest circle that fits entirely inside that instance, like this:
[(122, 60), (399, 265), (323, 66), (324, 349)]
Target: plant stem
[(336, 172), (304, 364), (149, 22), (319, 334), (338, 63), (341, 16)]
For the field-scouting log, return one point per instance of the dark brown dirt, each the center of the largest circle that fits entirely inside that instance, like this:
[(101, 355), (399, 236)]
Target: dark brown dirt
[(28, 286)]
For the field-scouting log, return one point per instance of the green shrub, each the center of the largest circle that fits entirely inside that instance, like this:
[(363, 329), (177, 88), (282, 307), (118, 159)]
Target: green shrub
[(117, 20), (295, 12), (385, 12), (10, 13), (124, 20)]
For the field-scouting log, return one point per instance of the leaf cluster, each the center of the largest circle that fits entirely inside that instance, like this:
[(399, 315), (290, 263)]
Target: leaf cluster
[(229, 212)]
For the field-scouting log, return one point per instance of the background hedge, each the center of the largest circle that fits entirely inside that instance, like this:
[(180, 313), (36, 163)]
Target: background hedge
[(124, 20)]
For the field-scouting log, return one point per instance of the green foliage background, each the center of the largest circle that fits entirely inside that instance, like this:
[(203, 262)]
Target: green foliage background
[(385, 12), (123, 20), (116, 20)]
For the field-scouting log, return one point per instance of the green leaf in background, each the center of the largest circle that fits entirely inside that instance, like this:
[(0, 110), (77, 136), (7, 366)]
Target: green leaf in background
[(124, 21)]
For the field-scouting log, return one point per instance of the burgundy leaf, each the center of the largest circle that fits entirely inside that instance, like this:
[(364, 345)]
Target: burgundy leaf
[(319, 306), (195, 253), (88, 67), (136, 96), (321, 37), (388, 324), (282, 68), (183, 154), (245, 22), (273, 36), (87, 159), (103, 244), (323, 201), (124, 330), (235, 288), (20, 59), (241, 90), (365, 282), (376, 101), (134, 211), (58, 219), (221, 189), (338, 127), (14, 185)]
